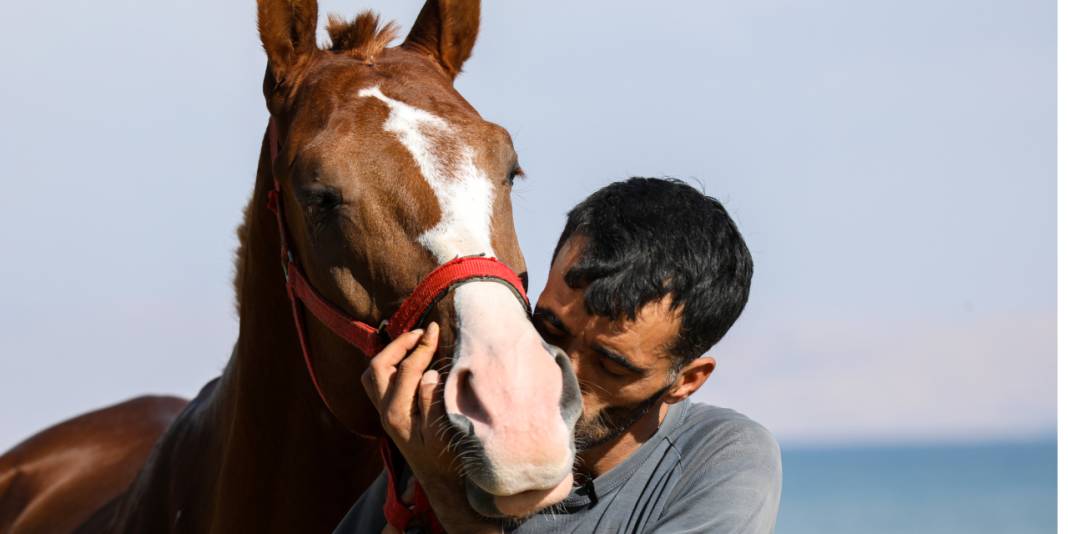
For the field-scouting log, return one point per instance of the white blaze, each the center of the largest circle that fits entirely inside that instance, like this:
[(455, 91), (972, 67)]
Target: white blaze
[(492, 328), (464, 193)]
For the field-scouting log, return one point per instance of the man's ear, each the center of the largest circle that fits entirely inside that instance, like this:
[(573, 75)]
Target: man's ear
[(690, 378), (446, 30), (287, 30)]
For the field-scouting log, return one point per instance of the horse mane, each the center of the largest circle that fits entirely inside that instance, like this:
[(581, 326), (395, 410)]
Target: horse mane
[(241, 260), (363, 37)]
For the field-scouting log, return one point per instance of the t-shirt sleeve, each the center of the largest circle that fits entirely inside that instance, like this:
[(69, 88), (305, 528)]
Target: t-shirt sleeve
[(731, 482), (366, 516)]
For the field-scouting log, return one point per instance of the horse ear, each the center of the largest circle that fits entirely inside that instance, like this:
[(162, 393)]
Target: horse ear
[(287, 30), (446, 30)]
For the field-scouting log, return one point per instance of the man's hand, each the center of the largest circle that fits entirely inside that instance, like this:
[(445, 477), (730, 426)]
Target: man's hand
[(403, 391)]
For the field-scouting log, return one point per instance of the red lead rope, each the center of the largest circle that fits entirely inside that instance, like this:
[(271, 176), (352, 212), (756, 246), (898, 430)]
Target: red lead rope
[(370, 340)]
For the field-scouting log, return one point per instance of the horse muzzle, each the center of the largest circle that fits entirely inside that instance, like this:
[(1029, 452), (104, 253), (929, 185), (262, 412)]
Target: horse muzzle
[(514, 401)]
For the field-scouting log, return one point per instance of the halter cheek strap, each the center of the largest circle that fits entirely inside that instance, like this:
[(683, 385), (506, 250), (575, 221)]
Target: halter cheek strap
[(369, 340)]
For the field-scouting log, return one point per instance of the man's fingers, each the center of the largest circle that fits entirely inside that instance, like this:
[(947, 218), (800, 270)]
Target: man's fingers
[(398, 348), (368, 381), (379, 374), (428, 385), (410, 370)]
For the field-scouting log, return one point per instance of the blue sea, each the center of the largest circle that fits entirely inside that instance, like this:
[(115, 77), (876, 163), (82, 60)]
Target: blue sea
[(973, 489)]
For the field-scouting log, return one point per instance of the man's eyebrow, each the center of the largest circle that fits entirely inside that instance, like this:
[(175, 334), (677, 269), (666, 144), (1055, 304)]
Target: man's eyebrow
[(620, 359), (552, 319)]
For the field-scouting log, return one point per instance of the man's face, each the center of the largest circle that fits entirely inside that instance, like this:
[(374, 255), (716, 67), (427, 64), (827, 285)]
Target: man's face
[(623, 367)]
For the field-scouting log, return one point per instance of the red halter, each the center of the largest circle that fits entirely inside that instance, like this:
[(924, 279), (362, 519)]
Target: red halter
[(369, 340)]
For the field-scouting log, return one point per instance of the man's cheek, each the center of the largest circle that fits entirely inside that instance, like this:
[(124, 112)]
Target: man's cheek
[(595, 397), (592, 404)]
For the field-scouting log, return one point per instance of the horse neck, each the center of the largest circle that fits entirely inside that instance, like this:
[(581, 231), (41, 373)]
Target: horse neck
[(283, 451), (265, 380)]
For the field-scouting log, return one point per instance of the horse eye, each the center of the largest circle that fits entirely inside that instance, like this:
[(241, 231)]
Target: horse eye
[(329, 200), (322, 199)]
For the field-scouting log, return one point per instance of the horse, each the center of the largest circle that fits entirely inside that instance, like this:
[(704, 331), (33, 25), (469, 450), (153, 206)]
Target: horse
[(387, 177)]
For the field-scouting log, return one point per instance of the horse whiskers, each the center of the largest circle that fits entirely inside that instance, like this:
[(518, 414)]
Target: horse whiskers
[(442, 426), (442, 366), (578, 463), (453, 445), (554, 509), (443, 363)]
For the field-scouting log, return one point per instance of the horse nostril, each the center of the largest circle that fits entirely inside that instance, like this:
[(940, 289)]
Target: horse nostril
[(570, 396), (467, 399)]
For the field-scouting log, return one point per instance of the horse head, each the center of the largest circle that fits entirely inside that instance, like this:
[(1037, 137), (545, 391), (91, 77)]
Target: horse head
[(386, 172)]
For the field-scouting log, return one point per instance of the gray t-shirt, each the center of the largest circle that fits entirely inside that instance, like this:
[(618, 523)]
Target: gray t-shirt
[(706, 470)]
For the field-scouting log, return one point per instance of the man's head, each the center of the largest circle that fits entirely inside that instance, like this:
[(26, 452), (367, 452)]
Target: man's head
[(647, 276)]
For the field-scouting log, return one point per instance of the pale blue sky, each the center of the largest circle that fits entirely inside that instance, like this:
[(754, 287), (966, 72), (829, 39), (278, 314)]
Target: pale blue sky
[(891, 164)]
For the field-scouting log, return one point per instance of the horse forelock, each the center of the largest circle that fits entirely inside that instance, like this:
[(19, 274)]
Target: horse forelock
[(363, 37)]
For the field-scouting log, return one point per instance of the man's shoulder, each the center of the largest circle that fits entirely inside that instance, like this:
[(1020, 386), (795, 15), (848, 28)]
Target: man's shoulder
[(727, 474), (714, 434)]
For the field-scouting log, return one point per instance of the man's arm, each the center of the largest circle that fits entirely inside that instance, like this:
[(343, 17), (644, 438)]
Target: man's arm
[(729, 487), (403, 391)]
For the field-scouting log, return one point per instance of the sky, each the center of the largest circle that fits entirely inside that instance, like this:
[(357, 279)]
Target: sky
[(891, 165)]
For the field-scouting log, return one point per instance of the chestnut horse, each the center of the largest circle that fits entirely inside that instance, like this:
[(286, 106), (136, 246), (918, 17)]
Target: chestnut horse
[(384, 173)]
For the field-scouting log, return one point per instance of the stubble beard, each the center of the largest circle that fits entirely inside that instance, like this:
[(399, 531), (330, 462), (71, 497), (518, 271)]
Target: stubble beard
[(609, 423)]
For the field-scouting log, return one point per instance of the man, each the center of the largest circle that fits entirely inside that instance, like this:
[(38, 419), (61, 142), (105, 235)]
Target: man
[(647, 276)]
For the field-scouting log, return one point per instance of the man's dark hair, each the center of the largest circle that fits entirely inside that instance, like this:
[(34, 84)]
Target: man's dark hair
[(649, 238)]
